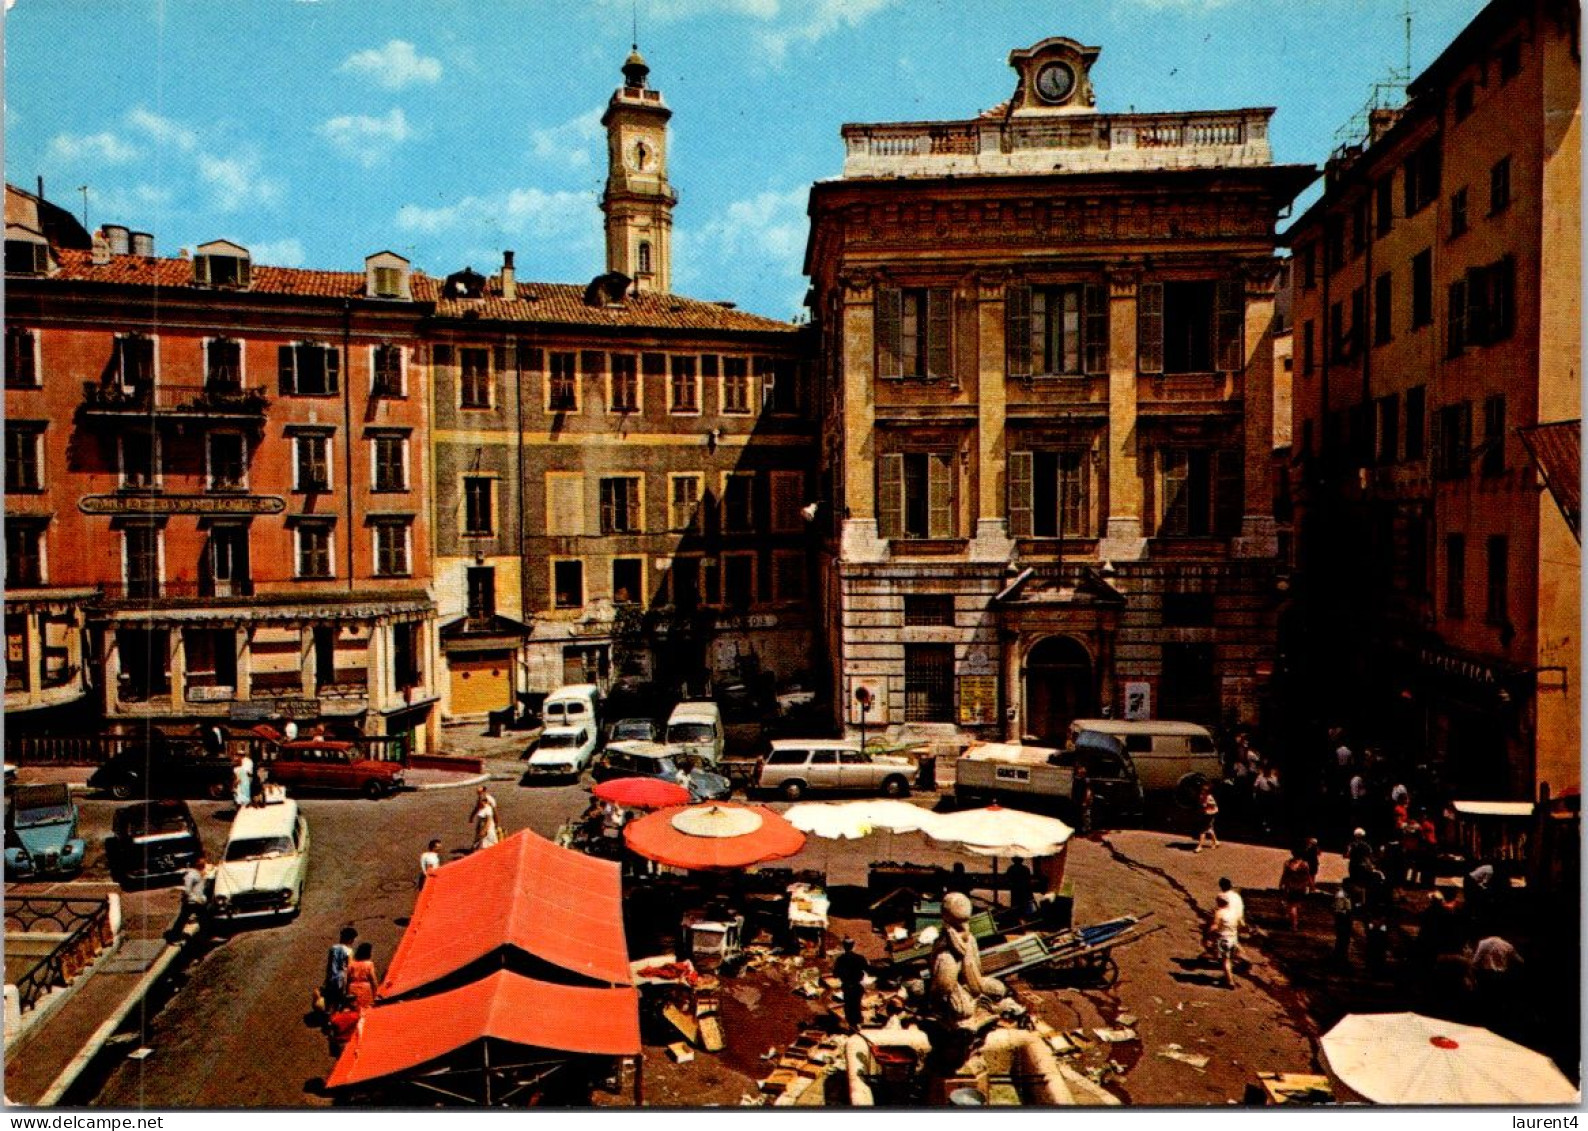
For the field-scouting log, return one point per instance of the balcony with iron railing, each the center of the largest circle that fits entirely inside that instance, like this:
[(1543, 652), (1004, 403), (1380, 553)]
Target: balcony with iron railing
[(214, 400)]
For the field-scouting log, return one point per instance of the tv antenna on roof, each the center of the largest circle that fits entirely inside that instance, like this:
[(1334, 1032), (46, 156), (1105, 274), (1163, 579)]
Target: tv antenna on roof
[(84, 190), (634, 10)]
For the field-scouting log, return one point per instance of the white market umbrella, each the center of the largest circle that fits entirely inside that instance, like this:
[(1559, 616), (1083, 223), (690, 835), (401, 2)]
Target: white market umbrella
[(850, 820), (996, 831), (1406, 1058)]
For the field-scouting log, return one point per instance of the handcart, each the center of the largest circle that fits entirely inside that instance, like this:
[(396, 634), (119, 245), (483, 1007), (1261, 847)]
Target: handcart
[(1081, 952)]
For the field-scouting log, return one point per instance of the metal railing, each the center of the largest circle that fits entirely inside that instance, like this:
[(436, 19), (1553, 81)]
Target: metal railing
[(85, 923), (214, 398)]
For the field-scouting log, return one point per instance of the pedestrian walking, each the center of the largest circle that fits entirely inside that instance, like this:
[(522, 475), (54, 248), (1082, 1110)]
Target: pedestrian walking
[(1209, 805), (195, 897), (1265, 796), (1223, 935), (486, 832), (1344, 912), (362, 979), (1236, 901), (1311, 853), (1018, 877), (242, 780), (1081, 800), (212, 738), (850, 970), (429, 861), (256, 783), (1295, 880), (337, 960)]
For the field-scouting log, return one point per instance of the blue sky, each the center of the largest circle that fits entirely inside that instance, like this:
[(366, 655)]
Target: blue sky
[(317, 131)]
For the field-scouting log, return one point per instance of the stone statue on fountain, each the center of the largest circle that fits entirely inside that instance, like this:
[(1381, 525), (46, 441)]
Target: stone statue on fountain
[(960, 994)]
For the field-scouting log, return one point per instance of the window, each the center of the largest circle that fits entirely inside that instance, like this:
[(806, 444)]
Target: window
[(1049, 494), (24, 553), (625, 388), (912, 332), (27, 257), (1453, 440), (312, 461), (407, 669), (562, 383), (481, 582), (474, 377), (916, 495), (24, 456), (1458, 212), (479, 515), (1422, 288), (1384, 204), (226, 571), (389, 451), (1497, 596), (1057, 330), (386, 367), (1500, 186), (210, 656), (738, 516), (226, 462), (788, 575), (1188, 610), (1510, 60), (1386, 411), (628, 580), (1381, 309), (620, 505), (1190, 327), (221, 270), (1482, 306), (1359, 227), (684, 504), (922, 610), (738, 581), (223, 364), (928, 683), (1201, 493), (134, 360), (787, 488), (1308, 254), (22, 370), (684, 577), (567, 584), (780, 387), (1416, 408), (314, 550), (735, 385), (392, 547), (1333, 244), (1308, 348), (308, 369), (141, 560), (1189, 685), (388, 282), (1421, 173), (1464, 100), (1493, 462), (1455, 576), (684, 389), (1357, 335), (645, 257)]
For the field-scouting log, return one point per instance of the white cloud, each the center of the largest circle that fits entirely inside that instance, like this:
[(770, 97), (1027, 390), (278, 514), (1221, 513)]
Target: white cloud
[(570, 145), (393, 66), (520, 212), (237, 182), (162, 130), (101, 148), (818, 19), (278, 253), (120, 204), (769, 225), (364, 139)]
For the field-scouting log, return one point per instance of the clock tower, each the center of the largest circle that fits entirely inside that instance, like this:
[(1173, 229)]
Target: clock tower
[(638, 201)]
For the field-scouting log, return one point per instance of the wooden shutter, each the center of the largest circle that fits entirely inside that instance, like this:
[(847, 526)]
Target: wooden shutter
[(1436, 442), (201, 270), (287, 368), (333, 369), (1228, 323), (1020, 494), (1094, 329), (499, 356), (1149, 328), (889, 316), (1456, 318), (939, 312), (1176, 507), (890, 496), (1017, 330), (940, 496), (1464, 436), (1228, 480), (564, 505)]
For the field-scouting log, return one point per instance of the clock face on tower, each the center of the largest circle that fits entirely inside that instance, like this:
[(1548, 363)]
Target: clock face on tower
[(642, 157), (1055, 82)]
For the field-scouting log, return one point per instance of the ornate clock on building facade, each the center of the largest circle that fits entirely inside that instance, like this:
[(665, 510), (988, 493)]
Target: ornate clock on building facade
[(1055, 77), (1055, 82)]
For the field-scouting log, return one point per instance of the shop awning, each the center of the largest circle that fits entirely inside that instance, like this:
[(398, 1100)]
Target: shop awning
[(406, 1036), (1556, 449), (525, 894)]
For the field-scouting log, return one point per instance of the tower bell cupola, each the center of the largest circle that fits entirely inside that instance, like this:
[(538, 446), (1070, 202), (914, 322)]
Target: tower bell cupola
[(638, 201)]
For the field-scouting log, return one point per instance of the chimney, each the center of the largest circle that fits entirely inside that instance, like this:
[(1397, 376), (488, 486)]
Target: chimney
[(101, 252), (509, 284)]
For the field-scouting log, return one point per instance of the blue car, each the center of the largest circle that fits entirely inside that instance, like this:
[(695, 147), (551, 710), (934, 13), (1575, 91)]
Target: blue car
[(41, 833)]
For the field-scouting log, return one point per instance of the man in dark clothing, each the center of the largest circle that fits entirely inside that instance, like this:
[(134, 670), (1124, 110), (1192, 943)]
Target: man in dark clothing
[(850, 970), (337, 960), (1019, 879), (1081, 800)]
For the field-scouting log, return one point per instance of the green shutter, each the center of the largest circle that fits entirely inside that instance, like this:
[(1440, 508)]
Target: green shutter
[(1228, 324), (287, 369), (1019, 494), (1017, 330), (890, 496), (889, 315), (1094, 329), (1228, 481), (940, 496), (1149, 328), (939, 310)]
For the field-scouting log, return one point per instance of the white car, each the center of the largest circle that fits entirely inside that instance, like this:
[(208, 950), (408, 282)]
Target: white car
[(563, 751), (266, 863)]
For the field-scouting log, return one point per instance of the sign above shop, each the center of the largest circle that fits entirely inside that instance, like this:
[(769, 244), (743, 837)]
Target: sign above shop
[(181, 504)]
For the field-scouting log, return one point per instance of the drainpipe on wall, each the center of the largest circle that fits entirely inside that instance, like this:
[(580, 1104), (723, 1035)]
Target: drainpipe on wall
[(347, 424)]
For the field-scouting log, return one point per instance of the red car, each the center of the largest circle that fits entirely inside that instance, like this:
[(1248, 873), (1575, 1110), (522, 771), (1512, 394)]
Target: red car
[(316, 764)]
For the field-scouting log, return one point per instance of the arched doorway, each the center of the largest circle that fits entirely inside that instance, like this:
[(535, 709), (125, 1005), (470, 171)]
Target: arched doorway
[(1059, 687)]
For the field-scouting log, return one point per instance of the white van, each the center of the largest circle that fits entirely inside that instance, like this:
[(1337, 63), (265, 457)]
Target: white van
[(574, 705), (696, 726), (1168, 755)]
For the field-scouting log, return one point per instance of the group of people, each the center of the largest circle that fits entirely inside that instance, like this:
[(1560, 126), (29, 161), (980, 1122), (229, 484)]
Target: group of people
[(349, 987)]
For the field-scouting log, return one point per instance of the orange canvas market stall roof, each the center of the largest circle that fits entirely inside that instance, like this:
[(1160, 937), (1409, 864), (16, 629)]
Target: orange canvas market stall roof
[(715, 835), (558, 906), (406, 1036)]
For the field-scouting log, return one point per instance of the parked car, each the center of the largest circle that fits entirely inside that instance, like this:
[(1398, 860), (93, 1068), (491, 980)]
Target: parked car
[(1169, 756), (797, 765), (153, 841), (658, 760), (634, 730), (41, 833), (265, 865), (317, 765), (160, 768), (696, 725), (562, 751)]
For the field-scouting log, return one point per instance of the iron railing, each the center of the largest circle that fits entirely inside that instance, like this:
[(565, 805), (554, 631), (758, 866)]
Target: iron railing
[(85, 923)]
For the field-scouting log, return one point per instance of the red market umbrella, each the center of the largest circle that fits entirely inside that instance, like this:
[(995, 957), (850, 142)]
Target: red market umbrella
[(714, 836), (642, 793)]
